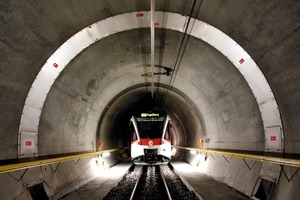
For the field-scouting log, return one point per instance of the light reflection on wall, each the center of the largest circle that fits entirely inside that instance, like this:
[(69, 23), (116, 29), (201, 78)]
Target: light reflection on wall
[(98, 165), (199, 161)]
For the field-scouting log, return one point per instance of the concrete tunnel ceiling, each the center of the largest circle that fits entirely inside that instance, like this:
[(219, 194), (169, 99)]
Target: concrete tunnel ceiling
[(121, 71), (218, 93)]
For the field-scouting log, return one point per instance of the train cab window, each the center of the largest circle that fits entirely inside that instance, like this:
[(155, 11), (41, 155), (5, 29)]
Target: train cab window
[(150, 127)]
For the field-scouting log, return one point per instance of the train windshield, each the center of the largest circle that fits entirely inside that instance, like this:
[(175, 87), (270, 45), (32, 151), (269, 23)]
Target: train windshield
[(150, 126)]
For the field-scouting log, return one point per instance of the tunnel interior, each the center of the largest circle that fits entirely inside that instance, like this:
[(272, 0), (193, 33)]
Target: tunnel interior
[(106, 78), (72, 75)]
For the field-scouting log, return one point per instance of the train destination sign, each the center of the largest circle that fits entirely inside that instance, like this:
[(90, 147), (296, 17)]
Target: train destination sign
[(149, 114)]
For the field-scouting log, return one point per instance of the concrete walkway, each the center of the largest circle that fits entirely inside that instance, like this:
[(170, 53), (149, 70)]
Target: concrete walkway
[(100, 186), (206, 187)]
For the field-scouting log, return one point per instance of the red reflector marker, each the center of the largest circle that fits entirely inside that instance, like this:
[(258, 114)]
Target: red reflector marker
[(55, 65), (273, 138), (140, 15), (28, 143)]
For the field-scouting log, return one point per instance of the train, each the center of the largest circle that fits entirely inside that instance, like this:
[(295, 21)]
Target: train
[(150, 138)]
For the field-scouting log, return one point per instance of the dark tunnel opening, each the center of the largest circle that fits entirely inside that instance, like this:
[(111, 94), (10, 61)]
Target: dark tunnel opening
[(185, 121)]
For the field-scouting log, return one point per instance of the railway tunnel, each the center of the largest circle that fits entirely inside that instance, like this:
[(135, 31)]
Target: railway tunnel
[(73, 72)]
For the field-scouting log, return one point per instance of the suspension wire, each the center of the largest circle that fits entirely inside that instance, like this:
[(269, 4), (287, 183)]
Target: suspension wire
[(179, 55)]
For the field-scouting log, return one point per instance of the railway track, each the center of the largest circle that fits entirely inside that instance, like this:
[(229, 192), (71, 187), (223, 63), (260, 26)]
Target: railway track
[(151, 184)]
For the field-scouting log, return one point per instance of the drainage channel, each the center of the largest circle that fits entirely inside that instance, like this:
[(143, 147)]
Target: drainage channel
[(151, 182)]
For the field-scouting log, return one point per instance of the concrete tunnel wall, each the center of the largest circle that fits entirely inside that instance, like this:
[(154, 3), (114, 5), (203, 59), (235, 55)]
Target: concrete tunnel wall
[(210, 99), (82, 107)]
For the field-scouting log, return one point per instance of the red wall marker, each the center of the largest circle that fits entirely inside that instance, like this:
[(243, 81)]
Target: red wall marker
[(273, 138), (55, 65), (28, 143), (140, 15)]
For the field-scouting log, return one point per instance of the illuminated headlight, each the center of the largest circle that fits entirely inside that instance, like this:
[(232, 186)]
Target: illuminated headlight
[(105, 154), (173, 151), (98, 166), (193, 152)]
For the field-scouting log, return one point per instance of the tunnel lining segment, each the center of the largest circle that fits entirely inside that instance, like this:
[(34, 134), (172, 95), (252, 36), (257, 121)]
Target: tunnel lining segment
[(229, 48)]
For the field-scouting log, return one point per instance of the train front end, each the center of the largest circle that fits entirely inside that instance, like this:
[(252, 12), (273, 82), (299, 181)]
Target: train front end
[(150, 138)]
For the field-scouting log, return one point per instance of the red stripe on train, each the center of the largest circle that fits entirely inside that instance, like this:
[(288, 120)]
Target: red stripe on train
[(151, 142), (155, 141)]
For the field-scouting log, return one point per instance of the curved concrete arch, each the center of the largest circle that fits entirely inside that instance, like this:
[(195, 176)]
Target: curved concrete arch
[(236, 54)]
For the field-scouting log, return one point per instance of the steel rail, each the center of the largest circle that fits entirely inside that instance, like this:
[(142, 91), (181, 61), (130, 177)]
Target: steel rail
[(136, 184), (259, 158), (42, 162), (165, 183), (138, 181)]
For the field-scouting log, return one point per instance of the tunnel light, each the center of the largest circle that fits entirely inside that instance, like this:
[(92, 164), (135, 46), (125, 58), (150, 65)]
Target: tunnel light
[(99, 161), (105, 154), (173, 151), (200, 163), (98, 166), (196, 160), (194, 152)]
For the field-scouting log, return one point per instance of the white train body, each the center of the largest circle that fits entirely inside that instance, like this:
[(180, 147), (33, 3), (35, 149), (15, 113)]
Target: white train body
[(150, 138)]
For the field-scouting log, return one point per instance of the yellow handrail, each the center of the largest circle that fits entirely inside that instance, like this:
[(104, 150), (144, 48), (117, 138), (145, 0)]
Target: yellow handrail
[(37, 163), (260, 158)]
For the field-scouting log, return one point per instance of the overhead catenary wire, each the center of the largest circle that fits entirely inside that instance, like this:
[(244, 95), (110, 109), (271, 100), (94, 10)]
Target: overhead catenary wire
[(179, 52)]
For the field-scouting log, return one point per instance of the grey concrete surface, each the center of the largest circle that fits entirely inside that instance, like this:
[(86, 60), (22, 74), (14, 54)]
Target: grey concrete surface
[(242, 175), (101, 185), (96, 93), (205, 186)]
